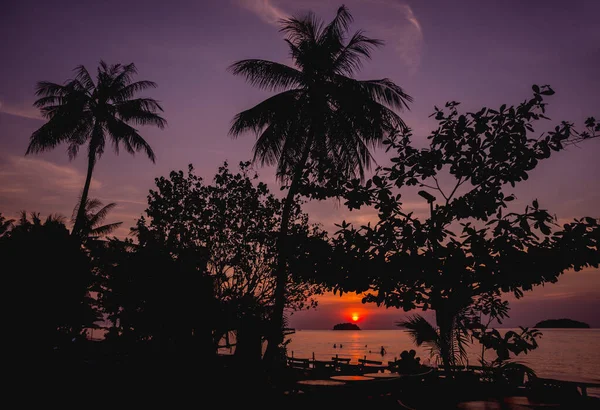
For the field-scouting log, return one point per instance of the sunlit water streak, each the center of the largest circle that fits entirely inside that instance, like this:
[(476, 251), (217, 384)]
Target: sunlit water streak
[(561, 352)]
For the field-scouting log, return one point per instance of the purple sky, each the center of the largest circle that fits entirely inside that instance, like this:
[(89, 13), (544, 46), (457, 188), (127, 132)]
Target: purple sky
[(479, 53)]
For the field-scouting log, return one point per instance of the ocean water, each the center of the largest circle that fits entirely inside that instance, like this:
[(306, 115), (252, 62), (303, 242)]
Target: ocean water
[(562, 353)]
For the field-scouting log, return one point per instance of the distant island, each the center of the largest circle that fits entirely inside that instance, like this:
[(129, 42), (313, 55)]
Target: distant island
[(346, 326), (562, 324)]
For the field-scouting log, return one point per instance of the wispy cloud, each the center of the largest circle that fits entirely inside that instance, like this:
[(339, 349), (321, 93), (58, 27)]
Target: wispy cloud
[(123, 194), (560, 295), (405, 34), (35, 184), (265, 10), (20, 110), (27, 174)]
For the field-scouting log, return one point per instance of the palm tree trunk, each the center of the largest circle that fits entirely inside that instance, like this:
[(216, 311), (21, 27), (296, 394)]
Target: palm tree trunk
[(79, 220), (445, 329), (275, 337)]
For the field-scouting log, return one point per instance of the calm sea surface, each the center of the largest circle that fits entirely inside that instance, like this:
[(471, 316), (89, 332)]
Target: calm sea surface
[(561, 352)]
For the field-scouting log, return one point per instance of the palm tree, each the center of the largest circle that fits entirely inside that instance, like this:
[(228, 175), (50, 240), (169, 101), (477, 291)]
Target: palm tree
[(322, 117), (52, 220), (449, 347), (94, 216), (5, 225), (82, 111)]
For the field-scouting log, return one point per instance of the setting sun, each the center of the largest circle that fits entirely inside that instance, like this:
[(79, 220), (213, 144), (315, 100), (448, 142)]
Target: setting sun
[(355, 317)]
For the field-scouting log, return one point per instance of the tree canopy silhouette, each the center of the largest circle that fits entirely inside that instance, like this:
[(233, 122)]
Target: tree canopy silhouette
[(469, 246), (48, 279), (322, 116), (83, 111), (229, 227)]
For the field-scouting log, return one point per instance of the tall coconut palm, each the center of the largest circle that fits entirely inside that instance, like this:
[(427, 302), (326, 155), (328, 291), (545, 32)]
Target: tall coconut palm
[(81, 111), (322, 116), (95, 214)]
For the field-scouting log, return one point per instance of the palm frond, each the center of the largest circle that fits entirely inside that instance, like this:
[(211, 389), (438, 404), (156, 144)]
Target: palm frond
[(128, 91), (459, 347), (123, 133), (331, 39), (268, 147), (44, 139), (50, 101), (422, 333), (99, 216), (93, 204), (350, 58), (84, 78), (353, 156), (267, 75), (338, 27), (123, 75), (142, 111), (419, 329), (280, 108), (104, 229), (383, 91), (23, 220), (60, 128), (69, 120), (95, 213), (294, 146), (49, 89), (54, 219), (307, 28)]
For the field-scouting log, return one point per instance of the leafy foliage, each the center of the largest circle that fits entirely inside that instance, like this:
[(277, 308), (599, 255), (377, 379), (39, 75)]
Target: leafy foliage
[(492, 250), (511, 342), (235, 221), (48, 279), (469, 246), (155, 300), (216, 240)]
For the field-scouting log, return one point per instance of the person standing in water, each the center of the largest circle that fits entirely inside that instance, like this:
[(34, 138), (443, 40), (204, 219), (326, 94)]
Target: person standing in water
[(382, 351)]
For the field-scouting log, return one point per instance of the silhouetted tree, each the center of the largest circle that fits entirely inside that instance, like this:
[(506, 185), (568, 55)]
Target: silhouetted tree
[(5, 225), (81, 111), (232, 226), (47, 282), (323, 121), (95, 212), (157, 301), (469, 246)]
